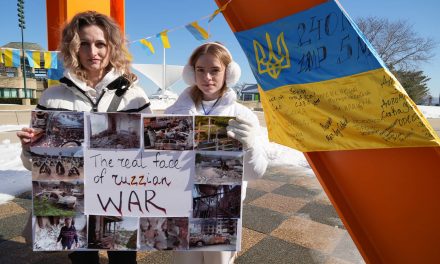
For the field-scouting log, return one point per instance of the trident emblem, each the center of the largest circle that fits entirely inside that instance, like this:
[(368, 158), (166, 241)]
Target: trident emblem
[(274, 63)]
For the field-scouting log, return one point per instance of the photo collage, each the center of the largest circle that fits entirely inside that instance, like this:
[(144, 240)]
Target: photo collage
[(58, 173)]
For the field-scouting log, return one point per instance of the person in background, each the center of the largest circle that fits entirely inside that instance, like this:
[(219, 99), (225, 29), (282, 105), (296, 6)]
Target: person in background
[(209, 73), (68, 234), (97, 79)]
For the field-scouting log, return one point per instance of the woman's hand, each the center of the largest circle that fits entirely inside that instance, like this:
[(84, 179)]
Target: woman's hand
[(25, 135), (243, 131)]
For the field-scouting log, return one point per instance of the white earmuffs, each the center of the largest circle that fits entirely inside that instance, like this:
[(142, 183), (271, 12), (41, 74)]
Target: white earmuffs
[(233, 70)]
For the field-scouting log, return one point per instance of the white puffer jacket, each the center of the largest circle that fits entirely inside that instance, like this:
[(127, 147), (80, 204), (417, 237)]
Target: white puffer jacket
[(74, 95), (255, 158)]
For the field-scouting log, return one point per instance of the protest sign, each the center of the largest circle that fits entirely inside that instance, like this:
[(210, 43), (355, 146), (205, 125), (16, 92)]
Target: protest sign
[(120, 181)]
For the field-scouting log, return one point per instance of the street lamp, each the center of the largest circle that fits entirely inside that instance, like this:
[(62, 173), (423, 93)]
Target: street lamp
[(22, 25)]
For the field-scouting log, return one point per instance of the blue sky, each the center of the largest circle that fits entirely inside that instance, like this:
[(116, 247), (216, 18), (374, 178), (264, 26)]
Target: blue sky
[(146, 18)]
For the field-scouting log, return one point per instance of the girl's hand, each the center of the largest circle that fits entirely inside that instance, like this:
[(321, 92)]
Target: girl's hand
[(243, 131)]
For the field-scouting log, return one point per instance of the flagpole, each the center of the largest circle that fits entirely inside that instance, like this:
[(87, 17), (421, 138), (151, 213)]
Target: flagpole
[(21, 24), (164, 74), (24, 64)]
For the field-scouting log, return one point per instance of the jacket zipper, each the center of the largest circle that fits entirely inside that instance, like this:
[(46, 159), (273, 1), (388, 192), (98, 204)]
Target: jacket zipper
[(94, 106)]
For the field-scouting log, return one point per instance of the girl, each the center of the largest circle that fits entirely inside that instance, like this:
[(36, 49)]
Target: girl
[(210, 72)]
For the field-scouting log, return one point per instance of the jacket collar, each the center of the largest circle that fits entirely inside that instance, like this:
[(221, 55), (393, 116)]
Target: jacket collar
[(108, 78)]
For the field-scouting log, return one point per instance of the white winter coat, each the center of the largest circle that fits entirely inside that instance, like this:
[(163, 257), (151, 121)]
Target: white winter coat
[(255, 158)]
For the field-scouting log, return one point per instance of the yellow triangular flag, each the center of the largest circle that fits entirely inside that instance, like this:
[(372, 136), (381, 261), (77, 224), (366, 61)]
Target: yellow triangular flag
[(147, 44), (164, 37), (216, 12)]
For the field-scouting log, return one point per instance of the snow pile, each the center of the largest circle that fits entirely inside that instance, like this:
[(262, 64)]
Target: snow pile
[(280, 155), (15, 178), (430, 111)]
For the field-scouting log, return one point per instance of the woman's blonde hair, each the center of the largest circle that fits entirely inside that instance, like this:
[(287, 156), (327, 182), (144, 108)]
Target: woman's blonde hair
[(119, 59), (219, 51)]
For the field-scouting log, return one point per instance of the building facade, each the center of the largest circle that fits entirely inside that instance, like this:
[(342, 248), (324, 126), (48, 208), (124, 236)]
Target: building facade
[(11, 78)]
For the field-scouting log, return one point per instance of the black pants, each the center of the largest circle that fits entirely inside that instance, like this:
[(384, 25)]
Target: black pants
[(114, 257)]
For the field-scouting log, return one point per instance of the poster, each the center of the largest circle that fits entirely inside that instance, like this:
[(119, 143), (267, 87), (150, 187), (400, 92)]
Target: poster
[(120, 181)]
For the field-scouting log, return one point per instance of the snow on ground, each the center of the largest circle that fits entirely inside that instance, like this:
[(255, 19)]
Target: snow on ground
[(430, 111), (16, 179), (7, 128)]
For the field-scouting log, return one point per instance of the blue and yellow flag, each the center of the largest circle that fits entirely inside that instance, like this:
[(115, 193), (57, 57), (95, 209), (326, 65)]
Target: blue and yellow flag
[(55, 74), (164, 38), (216, 12), (324, 87), (12, 57), (50, 60), (147, 45), (197, 31), (33, 58), (1, 56)]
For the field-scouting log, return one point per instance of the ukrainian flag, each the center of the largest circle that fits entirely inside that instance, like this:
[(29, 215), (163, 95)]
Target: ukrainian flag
[(147, 45), (324, 87), (50, 59), (197, 31), (33, 58), (164, 38), (12, 57), (55, 74)]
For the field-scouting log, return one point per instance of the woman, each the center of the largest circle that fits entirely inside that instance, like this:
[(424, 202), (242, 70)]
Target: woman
[(97, 79), (210, 72)]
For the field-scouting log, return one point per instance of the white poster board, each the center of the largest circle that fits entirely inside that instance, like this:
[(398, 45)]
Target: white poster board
[(119, 181), (138, 183)]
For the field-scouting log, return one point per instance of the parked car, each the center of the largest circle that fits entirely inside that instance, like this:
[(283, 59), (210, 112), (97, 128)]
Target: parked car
[(204, 240), (58, 197)]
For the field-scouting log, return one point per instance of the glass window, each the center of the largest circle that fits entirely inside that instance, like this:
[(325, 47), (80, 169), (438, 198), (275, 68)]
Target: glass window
[(6, 93), (14, 93), (248, 97)]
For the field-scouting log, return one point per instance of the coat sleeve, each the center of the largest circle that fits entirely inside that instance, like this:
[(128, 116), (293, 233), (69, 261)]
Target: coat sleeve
[(255, 158)]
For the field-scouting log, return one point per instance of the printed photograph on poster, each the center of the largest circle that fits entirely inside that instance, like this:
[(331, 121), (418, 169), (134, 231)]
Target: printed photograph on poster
[(213, 234), (216, 201), (60, 233), (112, 232), (210, 134), (168, 133), (163, 233), (115, 130), (57, 164), (58, 198), (219, 167), (57, 129)]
